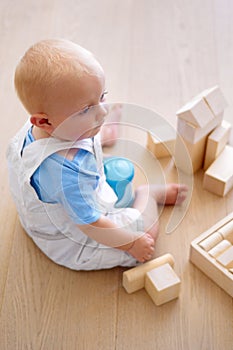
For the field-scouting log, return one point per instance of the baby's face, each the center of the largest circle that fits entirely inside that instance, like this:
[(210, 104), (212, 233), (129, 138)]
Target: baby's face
[(81, 107)]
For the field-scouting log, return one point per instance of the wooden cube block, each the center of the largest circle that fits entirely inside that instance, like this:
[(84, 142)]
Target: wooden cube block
[(227, 231), (215, 99), (211, 241), (196, 112), (162, 143), (162, 284), (194, 134), (219, 248), (226, 258), (134, 279), (218, 178), (216, 142), (209, 265), (189, 157)]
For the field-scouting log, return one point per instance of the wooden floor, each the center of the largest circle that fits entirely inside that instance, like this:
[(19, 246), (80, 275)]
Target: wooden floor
[(156, 54)]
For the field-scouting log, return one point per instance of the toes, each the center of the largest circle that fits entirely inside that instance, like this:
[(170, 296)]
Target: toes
[(181, 194), (183, 188)]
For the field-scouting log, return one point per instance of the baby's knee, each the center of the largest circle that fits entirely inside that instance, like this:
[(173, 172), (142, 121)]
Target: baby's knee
[(142, 189)]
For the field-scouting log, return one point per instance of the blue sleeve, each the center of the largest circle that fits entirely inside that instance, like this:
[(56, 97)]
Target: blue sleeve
[(62, 182), (78, 197)]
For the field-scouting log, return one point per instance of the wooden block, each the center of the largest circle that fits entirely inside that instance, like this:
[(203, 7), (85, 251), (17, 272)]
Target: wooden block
[(215, 99), (162, 284), (186, 153), (134, 279), (201, 115), (216, 142), (218, 178), (227, 231), (162, 143), (194, 134), (219, 248), (207, 264), (226, 258), (211, 241), (196, 112)]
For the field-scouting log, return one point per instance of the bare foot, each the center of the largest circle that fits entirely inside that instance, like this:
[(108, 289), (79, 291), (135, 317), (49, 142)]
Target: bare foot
[(170, 194), (109, 131)]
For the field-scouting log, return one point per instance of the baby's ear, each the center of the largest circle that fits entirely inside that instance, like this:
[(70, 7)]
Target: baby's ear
[(41, 121)]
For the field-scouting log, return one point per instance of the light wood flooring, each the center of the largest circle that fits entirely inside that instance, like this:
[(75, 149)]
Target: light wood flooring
[(157, 54)]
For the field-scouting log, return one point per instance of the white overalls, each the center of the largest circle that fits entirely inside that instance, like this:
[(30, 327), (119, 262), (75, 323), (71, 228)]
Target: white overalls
[(48, 224)]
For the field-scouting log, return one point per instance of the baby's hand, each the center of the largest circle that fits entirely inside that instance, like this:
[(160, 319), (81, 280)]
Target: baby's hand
[(143, 248)]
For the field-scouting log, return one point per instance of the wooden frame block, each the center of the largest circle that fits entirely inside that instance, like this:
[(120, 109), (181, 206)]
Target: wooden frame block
[(219, 248), (134, 279), (207, 264), (227, 231), (162, 284), (211, 241), (216, 142), (194, 134), (196, 112), (196, 153), (215, 99), (218, 178), (226, 258), (162, 147)]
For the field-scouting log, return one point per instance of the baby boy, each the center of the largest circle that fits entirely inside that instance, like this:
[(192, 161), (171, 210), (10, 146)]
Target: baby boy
[(56, 166)]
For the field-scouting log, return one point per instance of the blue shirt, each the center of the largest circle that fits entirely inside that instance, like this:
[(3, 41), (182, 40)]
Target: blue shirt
[(70, 183)]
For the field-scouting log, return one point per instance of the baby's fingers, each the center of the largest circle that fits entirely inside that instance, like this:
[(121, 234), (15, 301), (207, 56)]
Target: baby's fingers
[(149, 254)]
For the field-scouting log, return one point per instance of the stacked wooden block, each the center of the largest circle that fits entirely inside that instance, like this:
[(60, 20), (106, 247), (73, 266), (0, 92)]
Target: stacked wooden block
[(212, 252), (161, 142), (202, 141), (157, 277)]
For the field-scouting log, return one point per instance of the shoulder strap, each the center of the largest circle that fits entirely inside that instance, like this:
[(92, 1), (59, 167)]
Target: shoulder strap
[(34, 154)]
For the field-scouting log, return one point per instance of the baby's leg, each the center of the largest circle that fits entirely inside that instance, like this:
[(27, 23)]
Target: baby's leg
[(170, 194), (109, 131), (147, 198), (148, 207)]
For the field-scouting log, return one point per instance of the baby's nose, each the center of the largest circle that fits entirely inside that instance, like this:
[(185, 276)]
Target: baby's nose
[(102, 111)]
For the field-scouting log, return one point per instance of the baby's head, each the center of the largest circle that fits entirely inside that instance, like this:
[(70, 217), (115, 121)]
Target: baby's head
[(56, 79)]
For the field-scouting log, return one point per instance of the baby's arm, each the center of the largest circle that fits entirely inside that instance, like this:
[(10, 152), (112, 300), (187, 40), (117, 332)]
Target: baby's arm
[(139, 244)]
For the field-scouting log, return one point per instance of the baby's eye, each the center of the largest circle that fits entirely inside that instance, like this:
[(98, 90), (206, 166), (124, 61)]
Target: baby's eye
[(85, 110), (102, 97)]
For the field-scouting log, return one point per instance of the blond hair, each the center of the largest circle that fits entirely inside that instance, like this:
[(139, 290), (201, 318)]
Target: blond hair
[(44, 65)]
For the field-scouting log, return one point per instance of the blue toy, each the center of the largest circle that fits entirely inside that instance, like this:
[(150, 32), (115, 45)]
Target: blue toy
[(119, 174)]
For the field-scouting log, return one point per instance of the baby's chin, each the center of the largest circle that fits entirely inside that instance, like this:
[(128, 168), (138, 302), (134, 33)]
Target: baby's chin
[(91, 133)]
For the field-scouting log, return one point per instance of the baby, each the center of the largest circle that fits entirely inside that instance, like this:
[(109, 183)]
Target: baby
[(56, 166)]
